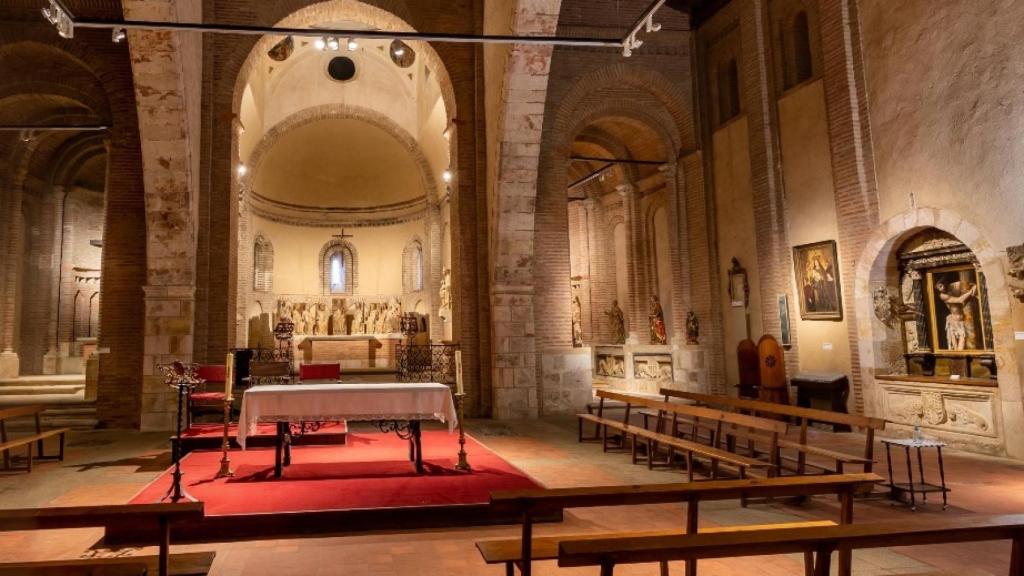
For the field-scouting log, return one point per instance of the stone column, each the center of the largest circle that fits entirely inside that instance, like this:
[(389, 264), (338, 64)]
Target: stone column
[(679, 253), (635, 307), (168, 337)]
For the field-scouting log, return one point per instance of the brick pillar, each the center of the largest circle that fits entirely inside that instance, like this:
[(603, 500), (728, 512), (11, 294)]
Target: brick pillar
[(434, 270), (638, 333), (58, 273), (680, 255), (10, 364)]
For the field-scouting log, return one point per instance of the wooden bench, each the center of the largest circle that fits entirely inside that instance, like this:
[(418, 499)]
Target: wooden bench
[(32, 441), (126, 516), (803, 416), (184, 564), (531, 504), (820, 541), (655, 439)]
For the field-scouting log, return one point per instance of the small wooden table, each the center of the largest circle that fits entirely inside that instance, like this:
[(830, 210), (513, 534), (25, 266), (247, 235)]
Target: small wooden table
[(896, 490), (833, 388)]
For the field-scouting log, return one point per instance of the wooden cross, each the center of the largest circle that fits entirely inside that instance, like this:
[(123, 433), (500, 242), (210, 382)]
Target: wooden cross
[(342, 236)]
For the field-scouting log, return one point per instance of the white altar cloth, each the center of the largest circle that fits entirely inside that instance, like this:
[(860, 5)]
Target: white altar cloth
[(310, 402)]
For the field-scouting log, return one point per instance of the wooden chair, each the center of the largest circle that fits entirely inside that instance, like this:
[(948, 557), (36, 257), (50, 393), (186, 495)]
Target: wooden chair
[(820, 541), (750, 369), (772, 361), (208, 396), (136, 517), (322, 373), (32, 441), (533, 504)]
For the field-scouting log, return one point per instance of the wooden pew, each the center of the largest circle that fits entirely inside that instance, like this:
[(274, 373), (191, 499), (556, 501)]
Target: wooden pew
[(531, 504), (655, 439), (803, 416), (30, 441), (821, 541), (124, 515)]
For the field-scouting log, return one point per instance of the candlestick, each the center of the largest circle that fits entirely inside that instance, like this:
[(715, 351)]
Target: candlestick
[(463, 465), (229, 376), (458, 372), (229, 379)]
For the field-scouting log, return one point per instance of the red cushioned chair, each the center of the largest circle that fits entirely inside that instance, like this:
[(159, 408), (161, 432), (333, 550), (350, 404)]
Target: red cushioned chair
[(320, 372), (208, 396)]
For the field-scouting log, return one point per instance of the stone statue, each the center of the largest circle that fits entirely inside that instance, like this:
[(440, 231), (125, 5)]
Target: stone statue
[(338, 318), (359, 319), (692, 328), (577, 323), (657, 322), (617, 323), (446, 294), (321, 320), (300, 320), (309, 318)]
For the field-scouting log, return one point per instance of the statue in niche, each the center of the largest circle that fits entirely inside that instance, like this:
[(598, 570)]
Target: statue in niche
[(321, 320), (617, 323), (446, 294), (338, 318), (657, 322), (692, 328), (577, 323), (300, 320)]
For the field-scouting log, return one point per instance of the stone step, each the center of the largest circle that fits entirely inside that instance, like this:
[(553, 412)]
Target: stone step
[(22, 390), (81, 416)]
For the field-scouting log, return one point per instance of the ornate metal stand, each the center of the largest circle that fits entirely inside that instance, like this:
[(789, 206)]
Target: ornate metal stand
[(225, 461), (463, 462), (183, 378)]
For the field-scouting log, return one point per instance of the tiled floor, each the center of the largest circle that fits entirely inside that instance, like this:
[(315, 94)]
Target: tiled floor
[(110, 467)]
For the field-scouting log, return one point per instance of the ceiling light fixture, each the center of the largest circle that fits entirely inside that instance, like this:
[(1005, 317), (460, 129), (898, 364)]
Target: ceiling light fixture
[(320, 43), (117, 35), (352, 45)]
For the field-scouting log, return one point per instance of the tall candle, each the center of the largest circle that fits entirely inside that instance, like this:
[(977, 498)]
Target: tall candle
[(458, 371), (229, 375)]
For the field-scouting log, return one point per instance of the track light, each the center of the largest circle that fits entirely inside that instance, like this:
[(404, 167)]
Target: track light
[(352, 45), (117, 35), (56, 16), (332, 44), (320, 43)]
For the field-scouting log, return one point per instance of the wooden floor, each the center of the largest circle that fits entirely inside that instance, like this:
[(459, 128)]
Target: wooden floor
[(108, 467)]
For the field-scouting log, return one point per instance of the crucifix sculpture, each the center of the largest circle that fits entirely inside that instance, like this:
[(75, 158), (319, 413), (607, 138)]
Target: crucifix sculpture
[(342, 236)]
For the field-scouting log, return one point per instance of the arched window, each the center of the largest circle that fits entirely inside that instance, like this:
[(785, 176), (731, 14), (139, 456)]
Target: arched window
[(800, 57), (262, 265), (338, 268), (728, 90), (413, 267)]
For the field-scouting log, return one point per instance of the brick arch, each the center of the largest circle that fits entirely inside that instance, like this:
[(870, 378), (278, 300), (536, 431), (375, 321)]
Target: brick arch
[(73, 154), (382, 121), (67, 80), (874, 265)]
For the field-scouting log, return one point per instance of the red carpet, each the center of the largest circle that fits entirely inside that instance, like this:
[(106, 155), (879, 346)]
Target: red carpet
[(372, 471), (211, 430)]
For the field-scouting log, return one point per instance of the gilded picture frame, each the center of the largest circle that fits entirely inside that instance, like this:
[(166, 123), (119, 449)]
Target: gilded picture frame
[(956, 310), (818, 288)]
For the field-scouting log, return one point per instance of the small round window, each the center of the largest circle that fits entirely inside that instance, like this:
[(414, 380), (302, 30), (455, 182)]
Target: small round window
[(341, 68)]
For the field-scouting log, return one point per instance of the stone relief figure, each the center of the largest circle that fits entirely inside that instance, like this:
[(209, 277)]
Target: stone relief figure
[(617, 323), (309, 319), (657, 322), (611, 366), (577, 323), (1016, 256), (692, 328), (338, 318), (445, 294), (359, 319), (321, 320)]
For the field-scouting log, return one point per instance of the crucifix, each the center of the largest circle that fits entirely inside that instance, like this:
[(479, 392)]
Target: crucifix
[(342, 236)]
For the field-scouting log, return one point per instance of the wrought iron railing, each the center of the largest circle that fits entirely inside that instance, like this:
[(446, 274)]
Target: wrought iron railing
[(426, 363)]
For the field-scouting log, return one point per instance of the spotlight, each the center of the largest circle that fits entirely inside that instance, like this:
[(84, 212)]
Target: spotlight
[(446, 175), (117, 35), (50, 14), (242, 169), (332, 44), (352, 45), (399, 52), (56, 16), (320, 43)]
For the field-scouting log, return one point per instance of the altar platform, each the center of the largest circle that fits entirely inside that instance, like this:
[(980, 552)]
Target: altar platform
[(210, 436), (367, 484)]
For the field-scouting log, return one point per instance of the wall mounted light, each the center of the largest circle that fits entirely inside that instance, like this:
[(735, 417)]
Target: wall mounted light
[(332, 44), (320, 43), (447, 175), (352, 45), (242, 169)]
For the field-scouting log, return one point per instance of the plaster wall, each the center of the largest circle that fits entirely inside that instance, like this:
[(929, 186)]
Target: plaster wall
[(378, 254), (807, 174), (736, 233)]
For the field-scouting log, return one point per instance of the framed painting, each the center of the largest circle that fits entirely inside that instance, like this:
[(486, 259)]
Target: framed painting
[(784, 320), (817, 281), (956, 309)]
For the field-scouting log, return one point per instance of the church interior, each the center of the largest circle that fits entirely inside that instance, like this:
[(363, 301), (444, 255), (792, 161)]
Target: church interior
[(636, 287)]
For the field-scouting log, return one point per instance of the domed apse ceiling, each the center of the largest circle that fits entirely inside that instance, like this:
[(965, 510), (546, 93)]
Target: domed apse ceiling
[(339, 164)]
